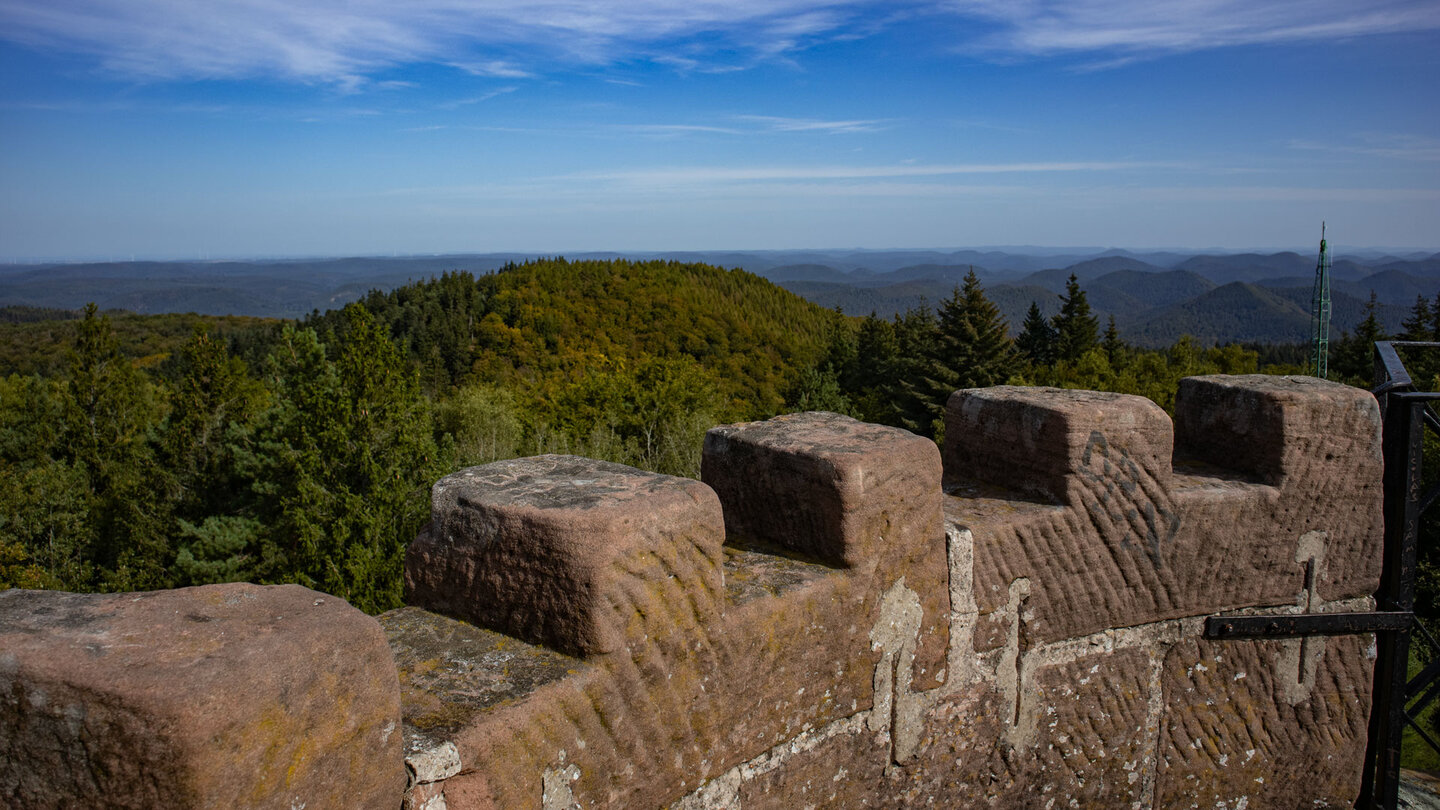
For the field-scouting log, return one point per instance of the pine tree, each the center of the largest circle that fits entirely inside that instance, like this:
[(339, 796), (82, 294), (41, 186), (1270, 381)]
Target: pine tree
[(869, 379), (201, 446), (1036, 342), (1076, 329), (973, 347), (1112, 344), (910, 386), (1353, 353), (108, 412), (346, 457), (1420, 325)]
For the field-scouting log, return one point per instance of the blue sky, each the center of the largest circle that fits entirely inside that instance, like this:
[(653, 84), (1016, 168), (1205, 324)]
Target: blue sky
[(177, 129)]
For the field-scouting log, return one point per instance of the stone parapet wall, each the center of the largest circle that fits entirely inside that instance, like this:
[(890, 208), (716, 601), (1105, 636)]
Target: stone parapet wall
[(838, 615)]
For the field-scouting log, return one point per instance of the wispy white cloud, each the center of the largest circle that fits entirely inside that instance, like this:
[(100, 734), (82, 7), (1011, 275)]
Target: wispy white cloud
[(669, 130), (751, 125), (1281, 194), (1121, 31), (345, 42), (711, 175), (779, 124), (495, 69), (1394, 146), (483, 97)]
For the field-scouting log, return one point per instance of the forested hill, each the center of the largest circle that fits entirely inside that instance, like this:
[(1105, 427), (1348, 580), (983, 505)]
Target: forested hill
[(133, 458), (552, 321)]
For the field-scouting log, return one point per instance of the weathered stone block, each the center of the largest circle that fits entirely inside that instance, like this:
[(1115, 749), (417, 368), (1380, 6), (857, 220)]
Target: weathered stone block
[(214, 697), (566, 551), (1056, 443), (824, 485), (1318, 442), (1277, 427), (862, 497)]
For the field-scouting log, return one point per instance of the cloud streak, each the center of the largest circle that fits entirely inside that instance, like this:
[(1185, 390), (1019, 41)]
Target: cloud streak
[(1396, 147), (345, 41), (713, 175), (1122, 31), (778, 124)]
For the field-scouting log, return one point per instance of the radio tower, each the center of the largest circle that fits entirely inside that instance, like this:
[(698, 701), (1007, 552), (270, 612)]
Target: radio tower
[(1320, 313)]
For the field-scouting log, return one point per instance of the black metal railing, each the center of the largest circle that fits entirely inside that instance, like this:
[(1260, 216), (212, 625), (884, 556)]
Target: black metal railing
[(1398, 699)]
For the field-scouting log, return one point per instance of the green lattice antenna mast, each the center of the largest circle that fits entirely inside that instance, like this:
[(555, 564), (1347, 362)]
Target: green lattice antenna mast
[(1320, 313)]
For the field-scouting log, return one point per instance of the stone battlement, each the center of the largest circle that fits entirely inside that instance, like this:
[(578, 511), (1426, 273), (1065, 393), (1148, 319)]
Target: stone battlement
[(838, 614)]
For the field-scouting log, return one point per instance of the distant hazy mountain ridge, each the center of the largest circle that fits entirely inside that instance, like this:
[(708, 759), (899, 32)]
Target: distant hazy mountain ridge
[(1155, 297)]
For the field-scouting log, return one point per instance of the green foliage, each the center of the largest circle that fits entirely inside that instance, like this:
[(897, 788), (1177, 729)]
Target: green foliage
[(532, 324), (29, 346), (345, 455), (17, 570), (1076, 329), (108, 411), (483, 423), (1036, 342), (1420, 323), (1352, 356), (974, 344), (651, 414), (217, 550), (901, 372), (46, 522)]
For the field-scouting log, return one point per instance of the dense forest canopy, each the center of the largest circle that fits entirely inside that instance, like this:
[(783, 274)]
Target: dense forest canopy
[(142, 452)]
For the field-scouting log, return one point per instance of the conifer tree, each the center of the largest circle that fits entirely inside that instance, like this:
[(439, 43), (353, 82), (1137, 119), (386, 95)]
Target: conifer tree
[(973, 347), (910, 387), (1111, 343), (1076, 329), (969, 348), (1036, 342), (346, 457), (1420, 325), (870, 378), (108, 412), (201, 447), (1353, 353)]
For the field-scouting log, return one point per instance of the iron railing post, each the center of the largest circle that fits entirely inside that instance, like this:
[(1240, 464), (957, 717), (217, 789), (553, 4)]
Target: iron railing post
[(1403, 435)]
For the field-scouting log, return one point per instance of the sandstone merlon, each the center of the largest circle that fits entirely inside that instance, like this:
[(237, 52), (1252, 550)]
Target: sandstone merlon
[(546, 548), (220, 696)]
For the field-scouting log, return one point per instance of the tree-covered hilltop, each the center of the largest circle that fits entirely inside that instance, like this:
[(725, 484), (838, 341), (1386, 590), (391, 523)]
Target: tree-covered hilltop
[(535, 323)]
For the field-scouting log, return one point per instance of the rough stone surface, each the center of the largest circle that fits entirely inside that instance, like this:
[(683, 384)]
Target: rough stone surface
[(1063, 445), (450, 671), (1129, 548), (1231, 733), (220, 696), (816, 482), (846, 493), (542, 548), (1317, 442)]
